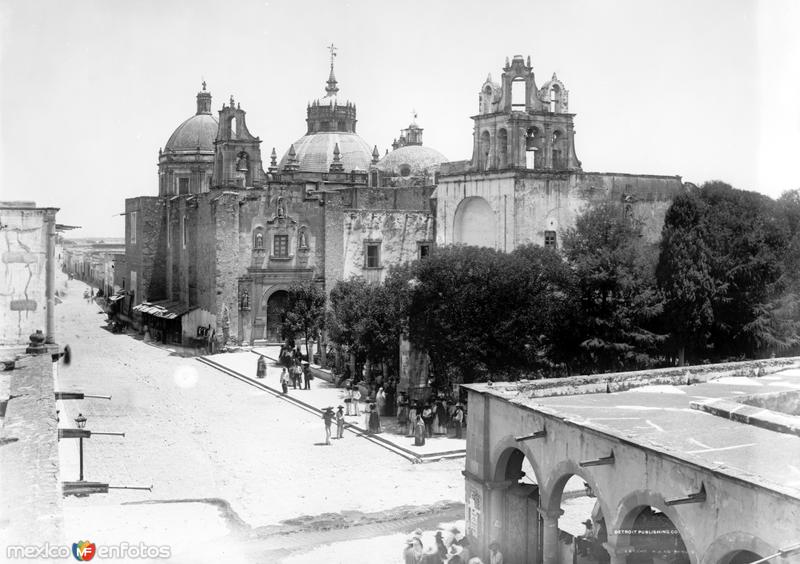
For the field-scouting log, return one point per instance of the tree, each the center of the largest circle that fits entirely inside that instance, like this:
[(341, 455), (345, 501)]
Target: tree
[(305, 312), (616, 288), (346, 315), (684, 276)]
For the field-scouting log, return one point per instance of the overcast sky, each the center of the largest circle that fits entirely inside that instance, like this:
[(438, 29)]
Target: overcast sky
[(92, 89)]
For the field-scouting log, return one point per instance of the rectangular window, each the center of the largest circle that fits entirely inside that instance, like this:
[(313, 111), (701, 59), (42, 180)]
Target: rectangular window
[(133, 227), (549, 239), (183, 186), (280, 246), (372, 255), (424, 250)]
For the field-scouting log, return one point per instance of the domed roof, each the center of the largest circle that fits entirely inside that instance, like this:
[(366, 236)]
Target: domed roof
[(200, 130), (417, 158), (314, 152)]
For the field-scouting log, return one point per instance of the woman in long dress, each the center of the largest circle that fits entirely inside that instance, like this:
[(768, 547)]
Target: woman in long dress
[(374, 419), (412, 419), (419, 432), (367, 409), (380, 401), (261, 367)]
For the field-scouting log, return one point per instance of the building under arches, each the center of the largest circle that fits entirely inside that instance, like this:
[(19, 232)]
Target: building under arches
[(686, 466)]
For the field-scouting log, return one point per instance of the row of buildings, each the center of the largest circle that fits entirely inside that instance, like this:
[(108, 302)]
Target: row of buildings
[(230, 230)]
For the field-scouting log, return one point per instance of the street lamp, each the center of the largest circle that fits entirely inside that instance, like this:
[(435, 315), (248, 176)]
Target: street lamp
[(80, 421)]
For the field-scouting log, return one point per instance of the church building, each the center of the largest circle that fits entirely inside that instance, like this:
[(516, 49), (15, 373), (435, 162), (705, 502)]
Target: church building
[(214, 253)]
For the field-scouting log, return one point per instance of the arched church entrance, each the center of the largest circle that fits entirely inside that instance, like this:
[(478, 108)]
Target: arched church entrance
[(276, 306), (517, 501), (474, 223)]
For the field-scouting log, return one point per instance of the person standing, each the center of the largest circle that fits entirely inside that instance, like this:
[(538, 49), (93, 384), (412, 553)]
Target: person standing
[(261, 367), (367, 409), (285, 380), (412, 420), (495, 556), (419, 432), (356, 399), (340, 423), (327, 416), (458, 420), (307, 375), (380, 401), (427, 417), (441, 418), (374, 419), (402, 415)]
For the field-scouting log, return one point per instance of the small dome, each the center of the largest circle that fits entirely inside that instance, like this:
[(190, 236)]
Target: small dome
[(411, 160), (315, 152), (200, 130)]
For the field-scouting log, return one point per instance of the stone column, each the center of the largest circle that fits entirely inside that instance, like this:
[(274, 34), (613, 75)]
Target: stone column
[(50, 277), (550, 535)]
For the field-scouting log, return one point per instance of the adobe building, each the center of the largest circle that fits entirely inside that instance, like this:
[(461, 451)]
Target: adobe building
[(214, 254), (692, 465), (27, 272), (524, 183)]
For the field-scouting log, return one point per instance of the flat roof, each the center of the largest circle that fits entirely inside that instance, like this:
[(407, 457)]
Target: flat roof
[(659, 417)]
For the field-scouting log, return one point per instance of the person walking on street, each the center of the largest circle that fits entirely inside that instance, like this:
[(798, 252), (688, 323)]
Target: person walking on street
[(339, 423), (327, 416)]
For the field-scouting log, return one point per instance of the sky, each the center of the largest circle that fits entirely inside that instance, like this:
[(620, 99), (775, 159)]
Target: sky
[(91, 89)]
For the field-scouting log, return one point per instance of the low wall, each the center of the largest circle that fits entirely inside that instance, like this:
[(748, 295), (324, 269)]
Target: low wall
[(31, 509)]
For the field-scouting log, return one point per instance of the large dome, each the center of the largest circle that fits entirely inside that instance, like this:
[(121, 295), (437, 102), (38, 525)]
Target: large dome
[(314, 152), (411, 160), (198, 131)]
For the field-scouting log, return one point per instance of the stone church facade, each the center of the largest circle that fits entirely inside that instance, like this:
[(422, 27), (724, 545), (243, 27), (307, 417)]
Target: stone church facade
[(215, 252)]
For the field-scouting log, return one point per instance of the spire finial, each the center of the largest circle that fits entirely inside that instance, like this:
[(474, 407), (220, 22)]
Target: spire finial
[(273, 161), (336, 165), (204, 85), (332, 89)]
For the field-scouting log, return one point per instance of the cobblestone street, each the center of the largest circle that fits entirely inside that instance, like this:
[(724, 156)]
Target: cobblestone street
[(223, 457)]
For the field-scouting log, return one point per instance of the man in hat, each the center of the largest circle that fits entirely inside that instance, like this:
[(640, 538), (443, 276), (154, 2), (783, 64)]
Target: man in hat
[(584, 542), (327, 416), (340, 423), (461, 540)]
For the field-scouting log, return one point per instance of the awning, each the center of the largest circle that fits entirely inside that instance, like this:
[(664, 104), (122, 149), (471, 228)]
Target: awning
[(116, 298), (164, 309)]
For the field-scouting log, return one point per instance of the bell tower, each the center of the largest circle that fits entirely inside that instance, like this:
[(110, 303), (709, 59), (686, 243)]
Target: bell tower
[(237, 155), (519, 126)]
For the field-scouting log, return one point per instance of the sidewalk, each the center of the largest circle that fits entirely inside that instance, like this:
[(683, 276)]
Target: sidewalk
[(324, 394)]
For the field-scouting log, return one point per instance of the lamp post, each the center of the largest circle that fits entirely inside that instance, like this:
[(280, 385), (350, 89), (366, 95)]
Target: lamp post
[(80, 421)]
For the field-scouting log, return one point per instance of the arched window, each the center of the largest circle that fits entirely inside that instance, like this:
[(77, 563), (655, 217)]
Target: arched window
[(555, 99), (234, 128), (532, 141), (518, 95), (487, 100), (558, 150)]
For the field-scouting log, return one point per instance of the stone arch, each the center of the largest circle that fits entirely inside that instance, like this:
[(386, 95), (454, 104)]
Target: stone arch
[(474, 222), (270, 328), (502, 148), (626, 514), (725, 548), (505, 455), (558, 478)]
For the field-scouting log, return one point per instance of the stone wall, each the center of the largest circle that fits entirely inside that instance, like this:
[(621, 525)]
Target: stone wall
[(23, 265), (146, 257), (30, 487)]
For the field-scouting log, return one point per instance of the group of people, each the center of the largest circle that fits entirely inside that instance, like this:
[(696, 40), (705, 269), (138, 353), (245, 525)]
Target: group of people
[(454, 550), (295, 371), (424, 421), (328, 416)]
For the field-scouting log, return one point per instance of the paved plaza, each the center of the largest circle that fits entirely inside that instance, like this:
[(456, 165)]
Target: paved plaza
[(229, 464)]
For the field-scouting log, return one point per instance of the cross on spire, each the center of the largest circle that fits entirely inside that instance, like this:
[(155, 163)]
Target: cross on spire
[(332, 48)]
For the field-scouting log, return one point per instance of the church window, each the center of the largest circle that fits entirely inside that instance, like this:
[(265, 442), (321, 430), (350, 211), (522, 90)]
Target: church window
[(372, 255), (133, 227), (405, 170), (549, 239), (233, 128), (280, 246), (183, 186), (518, 95)]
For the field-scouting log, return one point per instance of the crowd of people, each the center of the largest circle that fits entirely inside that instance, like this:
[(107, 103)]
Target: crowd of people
[(423, 421), (452, 548)]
